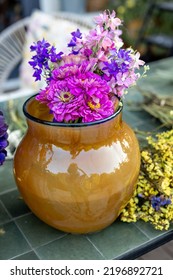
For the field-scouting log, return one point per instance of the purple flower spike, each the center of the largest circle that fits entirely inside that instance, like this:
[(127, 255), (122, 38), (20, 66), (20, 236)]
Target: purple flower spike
[(54, 57), (73, 43), (3, 138), (44, 54)]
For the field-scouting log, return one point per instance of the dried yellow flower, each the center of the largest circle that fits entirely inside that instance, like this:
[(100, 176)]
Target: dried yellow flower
[(153, 198)]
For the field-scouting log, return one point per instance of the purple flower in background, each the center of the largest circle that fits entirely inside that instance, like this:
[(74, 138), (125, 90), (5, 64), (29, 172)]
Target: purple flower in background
[(3, 138), (158, 201)]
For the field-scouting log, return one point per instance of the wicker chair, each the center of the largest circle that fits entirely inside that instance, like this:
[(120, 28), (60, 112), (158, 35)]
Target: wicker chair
[(12, 40)]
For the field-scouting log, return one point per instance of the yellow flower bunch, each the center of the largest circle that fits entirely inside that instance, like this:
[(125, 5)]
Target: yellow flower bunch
[(153, 198)]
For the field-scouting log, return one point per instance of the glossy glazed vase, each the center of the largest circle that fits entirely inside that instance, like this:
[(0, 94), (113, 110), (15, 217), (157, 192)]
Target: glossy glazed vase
[(76, 177)]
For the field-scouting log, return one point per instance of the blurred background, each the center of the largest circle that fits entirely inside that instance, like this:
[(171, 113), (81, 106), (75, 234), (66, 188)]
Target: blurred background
[(148, 24)]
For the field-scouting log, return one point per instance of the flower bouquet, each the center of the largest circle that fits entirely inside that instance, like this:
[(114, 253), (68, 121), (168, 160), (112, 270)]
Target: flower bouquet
[(84, 84)]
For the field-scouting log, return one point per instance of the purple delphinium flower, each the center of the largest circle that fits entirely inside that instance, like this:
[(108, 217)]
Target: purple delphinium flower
[(76, 34), (123, 56), (73, 43), (54, 57), (3, 138), (158, 201), (119, 62), (40, 61)]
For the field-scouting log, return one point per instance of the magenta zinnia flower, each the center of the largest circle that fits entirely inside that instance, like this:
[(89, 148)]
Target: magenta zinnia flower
[(75, 93)]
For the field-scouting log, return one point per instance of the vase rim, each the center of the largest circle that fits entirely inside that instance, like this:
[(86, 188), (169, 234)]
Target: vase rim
[(51, 123)]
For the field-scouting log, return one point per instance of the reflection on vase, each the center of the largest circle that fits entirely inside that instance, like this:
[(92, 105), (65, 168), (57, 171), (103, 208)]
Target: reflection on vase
[(76, 178)]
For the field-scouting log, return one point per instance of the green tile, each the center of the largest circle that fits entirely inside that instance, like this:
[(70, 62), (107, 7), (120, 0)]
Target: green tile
[(171, 226), (14, 203), (4, 217), (28, 256), (7, 181), (12, 243), (117, 239), (149, 229), (37, 232), (70, 247)]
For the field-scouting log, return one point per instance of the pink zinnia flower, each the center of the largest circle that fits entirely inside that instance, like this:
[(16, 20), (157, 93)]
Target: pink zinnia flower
[(75, 93), (97, 109)]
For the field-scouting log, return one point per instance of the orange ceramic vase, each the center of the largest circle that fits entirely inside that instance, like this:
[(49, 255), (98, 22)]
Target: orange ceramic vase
[(76, 177)]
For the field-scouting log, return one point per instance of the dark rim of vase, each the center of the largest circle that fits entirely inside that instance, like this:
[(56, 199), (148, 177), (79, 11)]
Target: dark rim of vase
[(32, 118)]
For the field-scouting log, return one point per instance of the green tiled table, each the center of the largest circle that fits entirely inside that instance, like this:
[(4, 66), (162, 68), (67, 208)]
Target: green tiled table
[(23, 236)]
